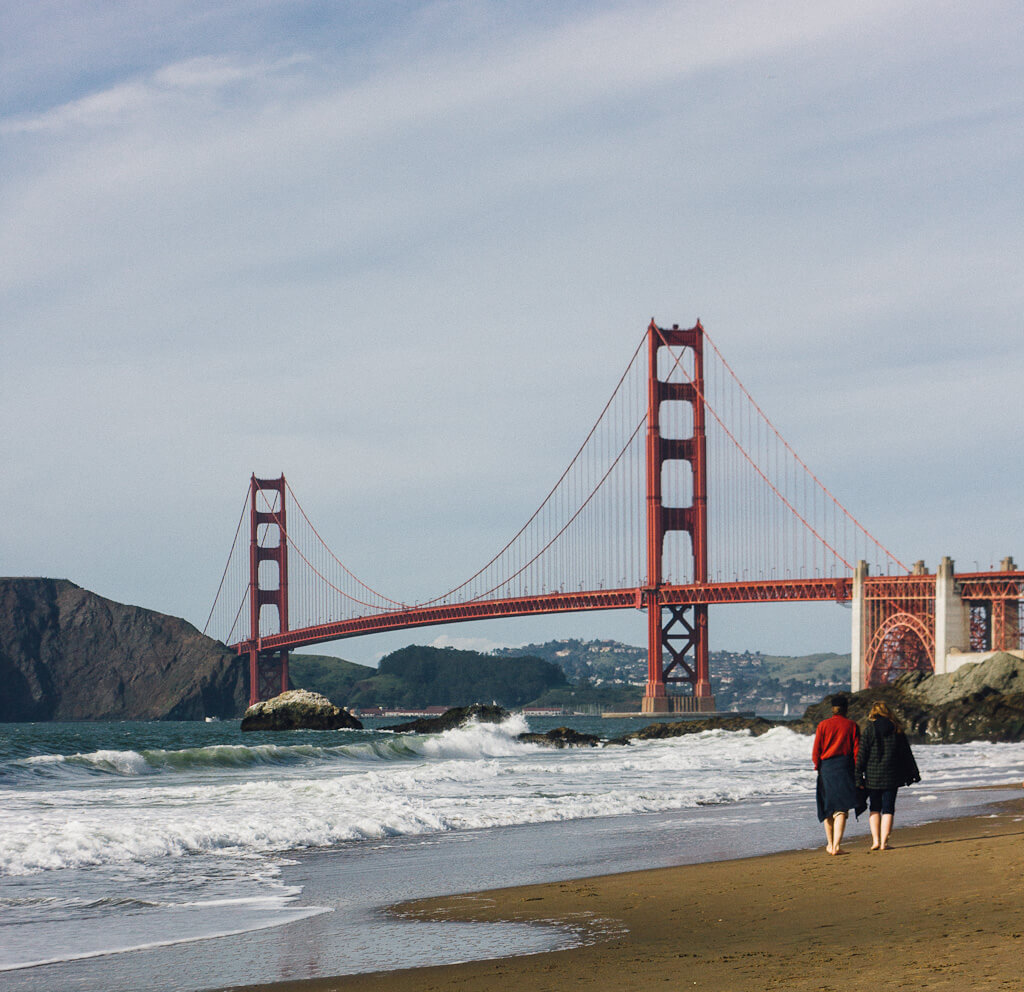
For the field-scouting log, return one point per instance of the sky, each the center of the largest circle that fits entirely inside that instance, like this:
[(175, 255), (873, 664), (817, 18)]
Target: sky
[(401, 252)]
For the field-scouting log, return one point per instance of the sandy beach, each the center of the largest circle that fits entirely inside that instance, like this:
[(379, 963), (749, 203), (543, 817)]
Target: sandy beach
[(943, 910)]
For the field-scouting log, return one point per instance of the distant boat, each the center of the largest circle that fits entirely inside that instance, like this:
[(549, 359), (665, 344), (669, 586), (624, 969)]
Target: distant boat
[(213, 719)]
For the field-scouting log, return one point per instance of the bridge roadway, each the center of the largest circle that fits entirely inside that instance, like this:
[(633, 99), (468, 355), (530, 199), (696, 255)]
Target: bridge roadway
[(711, 593)]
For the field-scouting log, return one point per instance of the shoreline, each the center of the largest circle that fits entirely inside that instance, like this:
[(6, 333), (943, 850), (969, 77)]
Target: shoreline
[(936, 912)]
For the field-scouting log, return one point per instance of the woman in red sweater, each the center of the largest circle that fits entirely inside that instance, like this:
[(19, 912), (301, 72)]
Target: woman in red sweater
[(834, 755)]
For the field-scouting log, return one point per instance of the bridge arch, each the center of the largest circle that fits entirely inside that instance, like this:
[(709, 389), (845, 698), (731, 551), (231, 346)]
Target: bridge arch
[(903, 643)]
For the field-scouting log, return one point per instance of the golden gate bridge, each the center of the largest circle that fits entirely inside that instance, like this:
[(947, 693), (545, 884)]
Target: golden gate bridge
[(682, 496)]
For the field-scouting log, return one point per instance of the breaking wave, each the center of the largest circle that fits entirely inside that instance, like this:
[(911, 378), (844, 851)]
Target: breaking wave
[(473, 740)]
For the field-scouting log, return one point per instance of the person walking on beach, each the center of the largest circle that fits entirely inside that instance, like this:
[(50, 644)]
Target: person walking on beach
[(834, 754), (884, 763)]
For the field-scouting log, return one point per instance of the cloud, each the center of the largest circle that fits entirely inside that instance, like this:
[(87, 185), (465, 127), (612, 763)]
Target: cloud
[(405, 257), (480, 644), (181, 88)]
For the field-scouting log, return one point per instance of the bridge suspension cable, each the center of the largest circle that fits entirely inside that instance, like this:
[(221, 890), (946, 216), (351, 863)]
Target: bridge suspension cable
[(225, 624), (888, 555), (568, 499), (769, 517)]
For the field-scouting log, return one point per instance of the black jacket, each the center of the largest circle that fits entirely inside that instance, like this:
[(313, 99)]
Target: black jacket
[(884, 758)]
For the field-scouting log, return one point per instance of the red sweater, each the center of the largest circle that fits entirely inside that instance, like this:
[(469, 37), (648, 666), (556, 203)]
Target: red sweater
[(835, 736)]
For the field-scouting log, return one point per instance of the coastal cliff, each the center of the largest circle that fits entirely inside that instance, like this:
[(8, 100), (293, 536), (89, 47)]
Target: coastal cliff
[(68, 654)]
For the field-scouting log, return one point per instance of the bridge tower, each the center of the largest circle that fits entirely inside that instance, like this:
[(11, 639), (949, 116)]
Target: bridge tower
[(268, 670), (677, 636)]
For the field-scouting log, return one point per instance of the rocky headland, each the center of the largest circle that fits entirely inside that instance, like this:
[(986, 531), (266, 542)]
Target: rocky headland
[(981, 701), (68, 654), (977, 702)]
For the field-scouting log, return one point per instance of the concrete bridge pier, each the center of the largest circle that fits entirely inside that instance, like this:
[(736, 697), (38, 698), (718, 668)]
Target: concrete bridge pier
[(952, 620)]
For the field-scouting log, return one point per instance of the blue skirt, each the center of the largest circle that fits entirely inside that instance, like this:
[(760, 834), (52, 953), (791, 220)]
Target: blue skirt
[(836, 792)]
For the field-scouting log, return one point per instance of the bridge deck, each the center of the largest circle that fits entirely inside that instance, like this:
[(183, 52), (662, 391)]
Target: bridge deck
[(778, 591)]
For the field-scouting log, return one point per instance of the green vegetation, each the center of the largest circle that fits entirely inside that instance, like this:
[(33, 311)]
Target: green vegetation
[(423, 676), (331, 677), (810, 668), (416, 677), (586, 697)]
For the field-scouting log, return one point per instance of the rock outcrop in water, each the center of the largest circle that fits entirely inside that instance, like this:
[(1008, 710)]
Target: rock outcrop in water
[(562, 737), (298, 709), (450, 719), (679, 728), (977, 702), (68, 654)]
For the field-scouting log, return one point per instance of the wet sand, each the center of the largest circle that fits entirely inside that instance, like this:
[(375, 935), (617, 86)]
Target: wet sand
[(943, 910)]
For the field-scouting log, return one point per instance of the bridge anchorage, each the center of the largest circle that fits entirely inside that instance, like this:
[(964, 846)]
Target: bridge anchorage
[(932, 623), (683, 496)]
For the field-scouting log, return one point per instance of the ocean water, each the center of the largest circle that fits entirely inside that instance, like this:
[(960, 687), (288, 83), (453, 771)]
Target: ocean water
[(118, 840)]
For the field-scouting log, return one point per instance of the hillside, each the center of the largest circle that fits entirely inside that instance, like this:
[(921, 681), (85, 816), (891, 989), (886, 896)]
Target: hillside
[(599, 675), (68, 654), (610, 675), (331, 677), (415, 677), (807, 668)]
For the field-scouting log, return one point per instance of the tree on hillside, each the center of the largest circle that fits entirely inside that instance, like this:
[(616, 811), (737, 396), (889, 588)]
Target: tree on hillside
[(419, 676), (331, 677)]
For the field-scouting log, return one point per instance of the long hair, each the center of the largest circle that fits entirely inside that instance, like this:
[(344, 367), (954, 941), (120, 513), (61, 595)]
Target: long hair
[(879, 708)]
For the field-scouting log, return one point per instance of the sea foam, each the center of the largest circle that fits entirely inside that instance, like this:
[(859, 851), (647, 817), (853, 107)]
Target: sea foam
[(121, 807)]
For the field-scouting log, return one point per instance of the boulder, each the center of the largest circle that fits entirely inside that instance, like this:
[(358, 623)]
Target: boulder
[(1002, 673), (450, 719), (298, 709)]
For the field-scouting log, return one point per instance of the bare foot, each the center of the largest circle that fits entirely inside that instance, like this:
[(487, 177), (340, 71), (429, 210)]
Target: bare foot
[(838, 850), (874, 847)]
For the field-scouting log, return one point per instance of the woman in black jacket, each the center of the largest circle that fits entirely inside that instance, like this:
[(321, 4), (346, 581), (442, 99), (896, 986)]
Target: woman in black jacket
[(884, 763)]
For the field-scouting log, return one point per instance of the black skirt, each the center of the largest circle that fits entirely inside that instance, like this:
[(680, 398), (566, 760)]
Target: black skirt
[(837, 792)]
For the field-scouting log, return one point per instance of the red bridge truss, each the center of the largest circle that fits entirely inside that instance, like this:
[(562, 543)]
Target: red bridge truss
[(930, 622), (682, 496)]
